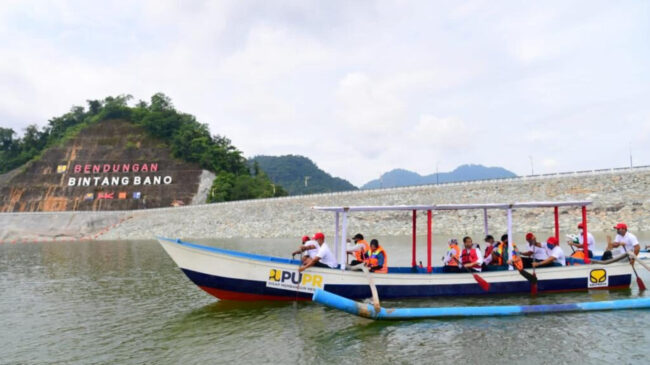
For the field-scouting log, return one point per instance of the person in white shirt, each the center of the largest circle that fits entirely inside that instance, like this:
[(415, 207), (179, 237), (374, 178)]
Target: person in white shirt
[(535, 252), (323, 258), (591, 242), (308, 245), (555, 254), (624, 241)]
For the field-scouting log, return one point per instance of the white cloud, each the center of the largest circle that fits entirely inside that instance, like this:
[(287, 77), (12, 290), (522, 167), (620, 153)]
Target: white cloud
[(359, 87)]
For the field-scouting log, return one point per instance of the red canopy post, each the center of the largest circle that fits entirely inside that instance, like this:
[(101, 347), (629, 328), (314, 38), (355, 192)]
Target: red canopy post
[(585, 241), (413, 264), (557, 223), (429, 241)]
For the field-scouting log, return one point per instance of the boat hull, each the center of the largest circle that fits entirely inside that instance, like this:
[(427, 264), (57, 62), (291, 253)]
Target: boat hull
[(234, 275)]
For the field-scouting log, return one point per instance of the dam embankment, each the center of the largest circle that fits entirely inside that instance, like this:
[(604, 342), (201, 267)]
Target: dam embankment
[(617, 195)]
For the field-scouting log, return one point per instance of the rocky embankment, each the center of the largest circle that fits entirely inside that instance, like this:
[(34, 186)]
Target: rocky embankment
[(617, 195)]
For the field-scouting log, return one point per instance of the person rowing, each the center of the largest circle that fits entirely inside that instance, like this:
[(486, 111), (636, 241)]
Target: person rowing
[(491, 245), (323, 258), (359, 249), (471, 257), (451, 260), (556, 255), (591, 242), (499, 252), (308, 245), (535, 253), (624, 242)]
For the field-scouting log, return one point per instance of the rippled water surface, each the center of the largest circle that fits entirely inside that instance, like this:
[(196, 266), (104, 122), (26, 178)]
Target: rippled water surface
[(127, 303)]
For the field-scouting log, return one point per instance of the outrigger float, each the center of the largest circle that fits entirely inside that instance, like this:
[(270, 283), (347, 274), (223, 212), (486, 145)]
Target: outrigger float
[(234, 275), (370, 311)]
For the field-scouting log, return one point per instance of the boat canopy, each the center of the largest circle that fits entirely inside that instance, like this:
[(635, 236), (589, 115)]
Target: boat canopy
[(372, 208), (341, 234)]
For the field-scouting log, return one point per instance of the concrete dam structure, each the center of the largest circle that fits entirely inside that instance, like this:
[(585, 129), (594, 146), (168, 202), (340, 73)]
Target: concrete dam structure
[(617, 195)]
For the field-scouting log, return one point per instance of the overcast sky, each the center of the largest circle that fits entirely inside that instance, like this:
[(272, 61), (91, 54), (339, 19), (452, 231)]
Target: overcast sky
[(360, 87)]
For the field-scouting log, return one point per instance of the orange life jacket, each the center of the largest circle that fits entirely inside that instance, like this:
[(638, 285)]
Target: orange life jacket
[(455, 256), (578, 255), (373, 259), (358, 255), (517, 262), (501, 250)]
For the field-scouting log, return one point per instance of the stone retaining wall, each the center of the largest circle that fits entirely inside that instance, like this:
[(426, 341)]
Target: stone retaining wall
[(617, 195)]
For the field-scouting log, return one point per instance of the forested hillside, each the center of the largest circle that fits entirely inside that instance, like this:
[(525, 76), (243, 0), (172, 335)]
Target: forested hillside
[(299, 175), (187, 138)]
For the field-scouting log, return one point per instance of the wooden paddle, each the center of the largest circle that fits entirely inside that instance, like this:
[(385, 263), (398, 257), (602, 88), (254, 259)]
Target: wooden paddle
[(373, 289), (481, 282), (532, 278), (533, 284), (639, 282)]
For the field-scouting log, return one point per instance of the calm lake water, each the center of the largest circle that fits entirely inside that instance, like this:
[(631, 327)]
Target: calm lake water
[(126, 302)]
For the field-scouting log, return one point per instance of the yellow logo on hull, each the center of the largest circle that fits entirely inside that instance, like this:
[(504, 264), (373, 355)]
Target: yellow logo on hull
[(598, 278), (293, 280)]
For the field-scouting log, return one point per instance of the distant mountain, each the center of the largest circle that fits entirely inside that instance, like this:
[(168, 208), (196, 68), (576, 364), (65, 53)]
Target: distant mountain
[(401, 177), (299, 175)]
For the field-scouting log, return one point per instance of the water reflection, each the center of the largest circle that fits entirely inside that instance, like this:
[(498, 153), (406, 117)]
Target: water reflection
[(126, 302)]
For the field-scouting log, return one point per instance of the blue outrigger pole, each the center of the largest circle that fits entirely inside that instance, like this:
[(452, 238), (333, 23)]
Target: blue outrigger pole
[(368, 310)]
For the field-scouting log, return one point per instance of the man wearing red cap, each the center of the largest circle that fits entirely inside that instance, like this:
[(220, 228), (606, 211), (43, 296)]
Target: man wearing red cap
[(308, 245), (624, 241), (591, 242), (555, 254), (323, 258), (535, 253)]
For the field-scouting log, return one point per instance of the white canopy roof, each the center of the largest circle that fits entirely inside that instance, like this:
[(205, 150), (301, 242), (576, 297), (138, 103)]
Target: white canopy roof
[(371, 208)]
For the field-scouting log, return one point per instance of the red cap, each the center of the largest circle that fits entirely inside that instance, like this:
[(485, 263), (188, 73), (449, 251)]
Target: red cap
[(305, 239), (319, 236), (620, 226), (580, 225), (552, 240), (529, 236)]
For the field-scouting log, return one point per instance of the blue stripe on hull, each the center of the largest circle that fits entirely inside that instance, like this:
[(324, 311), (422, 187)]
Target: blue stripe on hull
[(398, 291)]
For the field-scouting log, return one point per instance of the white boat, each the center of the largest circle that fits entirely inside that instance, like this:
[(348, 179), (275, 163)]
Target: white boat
[(237, 275)]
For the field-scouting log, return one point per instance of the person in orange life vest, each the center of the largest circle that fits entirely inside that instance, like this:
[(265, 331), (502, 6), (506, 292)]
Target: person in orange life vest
[(376, 258), (471, 257), (452, 257), (359, 249), (500, 252), (536, 252), (308, 245), (555, 254)]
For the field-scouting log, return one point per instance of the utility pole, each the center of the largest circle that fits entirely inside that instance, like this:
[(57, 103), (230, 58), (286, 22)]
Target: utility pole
[(307, 180), (631, 165), (532, 170)]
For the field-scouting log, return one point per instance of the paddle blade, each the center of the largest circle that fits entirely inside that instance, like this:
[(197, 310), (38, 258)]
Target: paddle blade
[(481, 282), (530, 277), (640, 283), (533, 286)]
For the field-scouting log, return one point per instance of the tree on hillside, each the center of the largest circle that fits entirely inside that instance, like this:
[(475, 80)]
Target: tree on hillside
[(188, 140)]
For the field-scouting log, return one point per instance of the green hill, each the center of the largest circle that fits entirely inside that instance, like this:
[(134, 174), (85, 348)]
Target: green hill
[(401, 177), (299, 175), (187, 139)]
